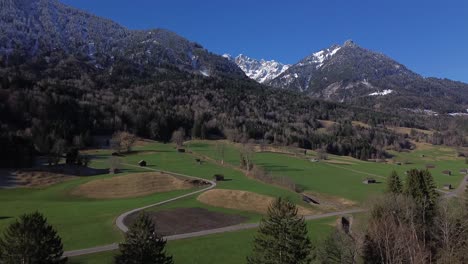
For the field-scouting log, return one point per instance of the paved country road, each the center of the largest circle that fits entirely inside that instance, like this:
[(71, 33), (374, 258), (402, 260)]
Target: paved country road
[(203, 233), (121, 225), (120, 220)]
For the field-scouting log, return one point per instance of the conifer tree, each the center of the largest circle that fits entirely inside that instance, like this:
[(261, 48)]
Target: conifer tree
[(282, 237), (394, 184), (142, 244), (31, 240), (421, 187)]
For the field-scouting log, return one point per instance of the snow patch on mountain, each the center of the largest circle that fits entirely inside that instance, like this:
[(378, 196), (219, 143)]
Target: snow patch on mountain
[(384, 92), (320, 57), (260, 70)]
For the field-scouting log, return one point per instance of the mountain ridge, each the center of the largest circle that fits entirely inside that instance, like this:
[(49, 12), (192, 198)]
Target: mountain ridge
[(261, 70), (36, 28), (350, 73)]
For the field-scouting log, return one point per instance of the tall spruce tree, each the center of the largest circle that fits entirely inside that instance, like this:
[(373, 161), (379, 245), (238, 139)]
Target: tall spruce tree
[(31, 240), (282, 237), (421, 186), (142, 244), (394, 184)]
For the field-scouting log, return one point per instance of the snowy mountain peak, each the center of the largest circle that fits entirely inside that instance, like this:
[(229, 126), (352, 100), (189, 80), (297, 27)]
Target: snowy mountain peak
[(318, 58), (259, 70)]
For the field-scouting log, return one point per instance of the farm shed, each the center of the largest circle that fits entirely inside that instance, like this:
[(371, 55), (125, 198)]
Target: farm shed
[(309, 199), (447, 172), (369, 181), (447, 186), (142, 163), (464, 171), (218, 177)]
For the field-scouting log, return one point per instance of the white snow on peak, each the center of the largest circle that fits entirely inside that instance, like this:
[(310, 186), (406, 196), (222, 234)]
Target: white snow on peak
[(384, 92), (227, 56), (259, 70), (320, 57)]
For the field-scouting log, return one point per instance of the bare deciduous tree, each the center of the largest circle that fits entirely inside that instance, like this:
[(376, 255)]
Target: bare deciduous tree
[(114, 164), (221, 150), (246, 155), (178, 137), (123, 141)]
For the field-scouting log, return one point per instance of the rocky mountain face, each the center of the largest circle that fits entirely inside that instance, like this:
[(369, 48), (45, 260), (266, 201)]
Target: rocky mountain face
[(350, 73), (259, 70), (32, 28)]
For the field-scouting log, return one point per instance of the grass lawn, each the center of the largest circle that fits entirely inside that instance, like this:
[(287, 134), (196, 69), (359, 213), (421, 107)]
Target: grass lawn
[(342, 176), (227, 248), (83, 222)]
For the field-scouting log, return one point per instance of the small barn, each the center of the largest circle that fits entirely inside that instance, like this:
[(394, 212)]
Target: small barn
[(430, 166), (309, 199), (142, 163), (448, 186), (369, 181), (218, 177), (464, 171), (447, 172), (199, 161)]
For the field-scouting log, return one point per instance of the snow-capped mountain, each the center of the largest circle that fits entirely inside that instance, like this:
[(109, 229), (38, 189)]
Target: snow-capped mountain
[(260, 70), (38, 27), (350, 73)]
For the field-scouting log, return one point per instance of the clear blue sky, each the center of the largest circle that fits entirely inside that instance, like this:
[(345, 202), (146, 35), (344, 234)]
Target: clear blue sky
[(430, 37)]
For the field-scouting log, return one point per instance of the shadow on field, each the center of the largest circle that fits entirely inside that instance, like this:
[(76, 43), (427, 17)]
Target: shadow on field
[(5, 217), (272, 167)]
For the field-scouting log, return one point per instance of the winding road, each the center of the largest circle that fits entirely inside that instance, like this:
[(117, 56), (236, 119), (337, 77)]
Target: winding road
[(121, 225)]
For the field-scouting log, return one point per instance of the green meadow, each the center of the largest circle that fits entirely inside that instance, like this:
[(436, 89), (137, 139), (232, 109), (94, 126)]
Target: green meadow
[(228, 248), (84, 222)]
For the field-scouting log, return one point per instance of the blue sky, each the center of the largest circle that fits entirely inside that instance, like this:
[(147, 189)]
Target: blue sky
[(430, 37)]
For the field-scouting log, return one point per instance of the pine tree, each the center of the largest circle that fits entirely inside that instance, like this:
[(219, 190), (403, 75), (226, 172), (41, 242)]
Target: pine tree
[(142, 244), (31, 240), (282, 237), (394, 184), (421, 186)]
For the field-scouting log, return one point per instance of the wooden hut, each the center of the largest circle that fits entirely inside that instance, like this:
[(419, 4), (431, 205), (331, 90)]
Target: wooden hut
[(142, 163), (464, 171), (218, 177), (369, 181), (447, 172)]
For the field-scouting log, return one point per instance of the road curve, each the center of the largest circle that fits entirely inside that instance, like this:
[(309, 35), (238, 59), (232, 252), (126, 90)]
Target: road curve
[(120, 219), (226, 229)]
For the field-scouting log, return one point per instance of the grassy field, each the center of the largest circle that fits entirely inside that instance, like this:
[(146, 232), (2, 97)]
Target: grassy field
[(343, 176), (214, 248), (84, 222)]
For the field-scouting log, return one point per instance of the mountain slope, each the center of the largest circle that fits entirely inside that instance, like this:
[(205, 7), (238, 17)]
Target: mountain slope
[(259, 70), (31, 28), (349, 73)]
